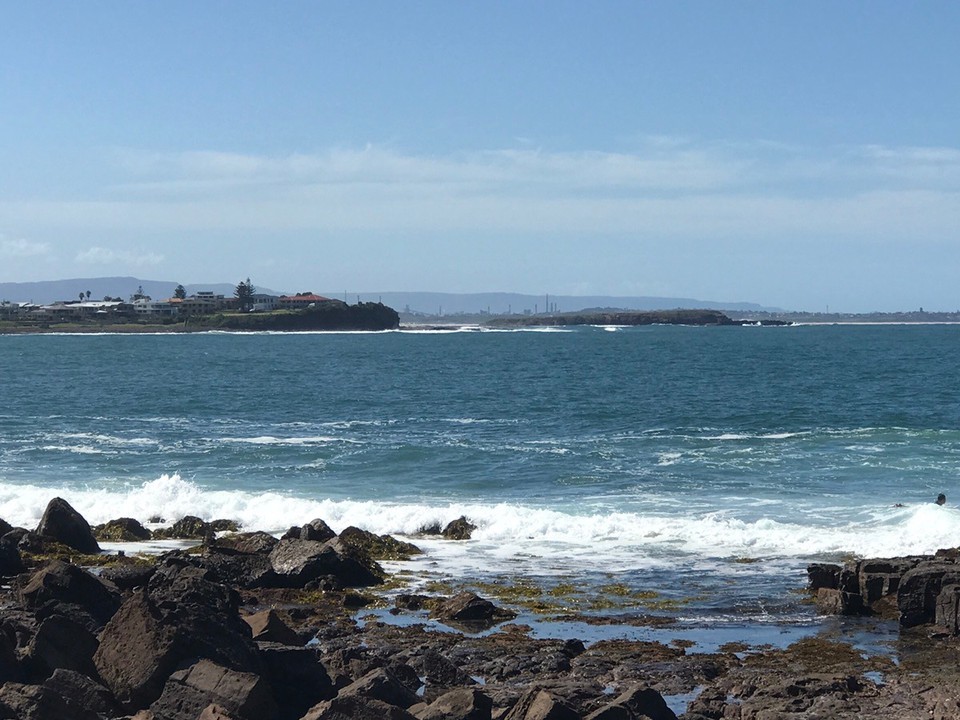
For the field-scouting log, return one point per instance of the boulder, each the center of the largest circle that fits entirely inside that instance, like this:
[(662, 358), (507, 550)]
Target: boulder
[(355, 707), (121, 530), (469, 608), (298, 678), (215, 712), (459, 704), (823, 575), (61, 643), (245, 570), (189, 527), (5, 527), (10, 561), (439, 675), (255, 543), (9, 662), (66, 695), (378, 547), (128, 577), (245, 696), (644, 702), (267, 626), (317, 530), (919, 588), (538, 704), (381, 684), (179, 617), (459, 529), (298, 562), (947, 612), (60, 582), (65, 525)]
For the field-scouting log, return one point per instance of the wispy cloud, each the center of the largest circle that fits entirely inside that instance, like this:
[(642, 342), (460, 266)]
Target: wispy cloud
[(105, 256), (21, 248)]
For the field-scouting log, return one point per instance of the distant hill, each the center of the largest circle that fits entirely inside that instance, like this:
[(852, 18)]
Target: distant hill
[(49, 291), (440, 304), (417, 303)]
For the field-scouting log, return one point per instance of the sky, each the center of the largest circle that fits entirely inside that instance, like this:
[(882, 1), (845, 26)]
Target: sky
[(800, 155)]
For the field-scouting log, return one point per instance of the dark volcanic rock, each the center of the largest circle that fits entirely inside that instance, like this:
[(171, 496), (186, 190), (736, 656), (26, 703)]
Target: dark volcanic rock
[(257, 543), (187, 693), (180, 616), (66, 695), (317, 530), (459, 529), (65, 525), (298, 678), (538, 704), (298, 562), (355, 707), (919, 589), (381, 684), (63, 583), (189, 527), (128, 577), (467, 607), (10, 561), (121, 530), (267, 626), (244, 570), (378, 547), (61, 643), (5, 527), (459, 704)]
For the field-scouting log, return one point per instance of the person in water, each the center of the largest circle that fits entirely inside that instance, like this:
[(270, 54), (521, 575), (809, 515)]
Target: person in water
[(941, 499)]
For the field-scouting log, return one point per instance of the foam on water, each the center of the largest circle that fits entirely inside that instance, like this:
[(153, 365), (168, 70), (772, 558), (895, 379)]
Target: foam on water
[(568, 537)]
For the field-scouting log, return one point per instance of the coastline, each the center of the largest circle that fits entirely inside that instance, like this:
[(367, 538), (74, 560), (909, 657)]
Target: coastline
[(355, 622)]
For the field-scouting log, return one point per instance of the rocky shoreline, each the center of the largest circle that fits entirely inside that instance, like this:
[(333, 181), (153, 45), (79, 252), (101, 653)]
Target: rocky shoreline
[(248, 626)]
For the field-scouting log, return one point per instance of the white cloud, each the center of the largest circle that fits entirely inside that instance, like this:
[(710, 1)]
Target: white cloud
[(21, 248), (107, 256)]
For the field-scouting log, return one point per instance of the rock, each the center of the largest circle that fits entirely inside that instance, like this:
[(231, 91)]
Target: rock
[(298, 678), (65, 525), (245, 570), (298, 562), (10, 561), (439, 674), (61, 582), (610, 712), (9, 663), (267, 626), (467, 607), (188, 527), (187, 693), (65, 695), (61, 643), (180, 616), (215, 712), (538, 704), (121, 530), (831, 601), (459, 704), (378, 547), (823, 575), (356, 708), (459, 529), (879, 578), (381, 684), (919, 588), (255, 543), (947, 612), (645, 702), (317, 530), (128, 577), (224, 525), (5, 527)]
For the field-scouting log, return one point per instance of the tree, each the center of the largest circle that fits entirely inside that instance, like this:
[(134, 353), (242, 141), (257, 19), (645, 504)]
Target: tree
[(81, 297), (88, 294), (244, 294), (180, 292)]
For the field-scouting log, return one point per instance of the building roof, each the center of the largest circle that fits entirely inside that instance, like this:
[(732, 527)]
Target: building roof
[(306, 298)]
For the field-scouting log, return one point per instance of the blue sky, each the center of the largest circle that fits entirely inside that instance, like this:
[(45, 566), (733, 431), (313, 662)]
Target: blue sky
[(801, 155)]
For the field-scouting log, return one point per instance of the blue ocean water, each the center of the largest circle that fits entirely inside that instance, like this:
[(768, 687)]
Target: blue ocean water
[(706, 462)]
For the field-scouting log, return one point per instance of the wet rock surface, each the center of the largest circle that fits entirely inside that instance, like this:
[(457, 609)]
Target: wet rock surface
[(255, 627)]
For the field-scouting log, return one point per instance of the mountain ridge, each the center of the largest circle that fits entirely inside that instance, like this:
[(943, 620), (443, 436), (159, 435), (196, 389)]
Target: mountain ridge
[(416, 303)]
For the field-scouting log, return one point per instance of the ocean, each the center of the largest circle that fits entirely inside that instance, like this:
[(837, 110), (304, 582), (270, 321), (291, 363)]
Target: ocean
[(689, 470)]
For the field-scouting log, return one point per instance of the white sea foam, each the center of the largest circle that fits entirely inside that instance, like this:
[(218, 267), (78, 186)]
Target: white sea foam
[(509, 533), (271, 440)]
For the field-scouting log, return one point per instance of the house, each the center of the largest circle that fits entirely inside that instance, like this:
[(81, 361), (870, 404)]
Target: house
[(264, 303), (206, 302), (156, 308), (301, 300)]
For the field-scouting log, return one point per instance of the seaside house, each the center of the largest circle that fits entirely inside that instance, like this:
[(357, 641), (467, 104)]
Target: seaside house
[(156, 308), (301, 301), (206, 302), (259, 302)]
